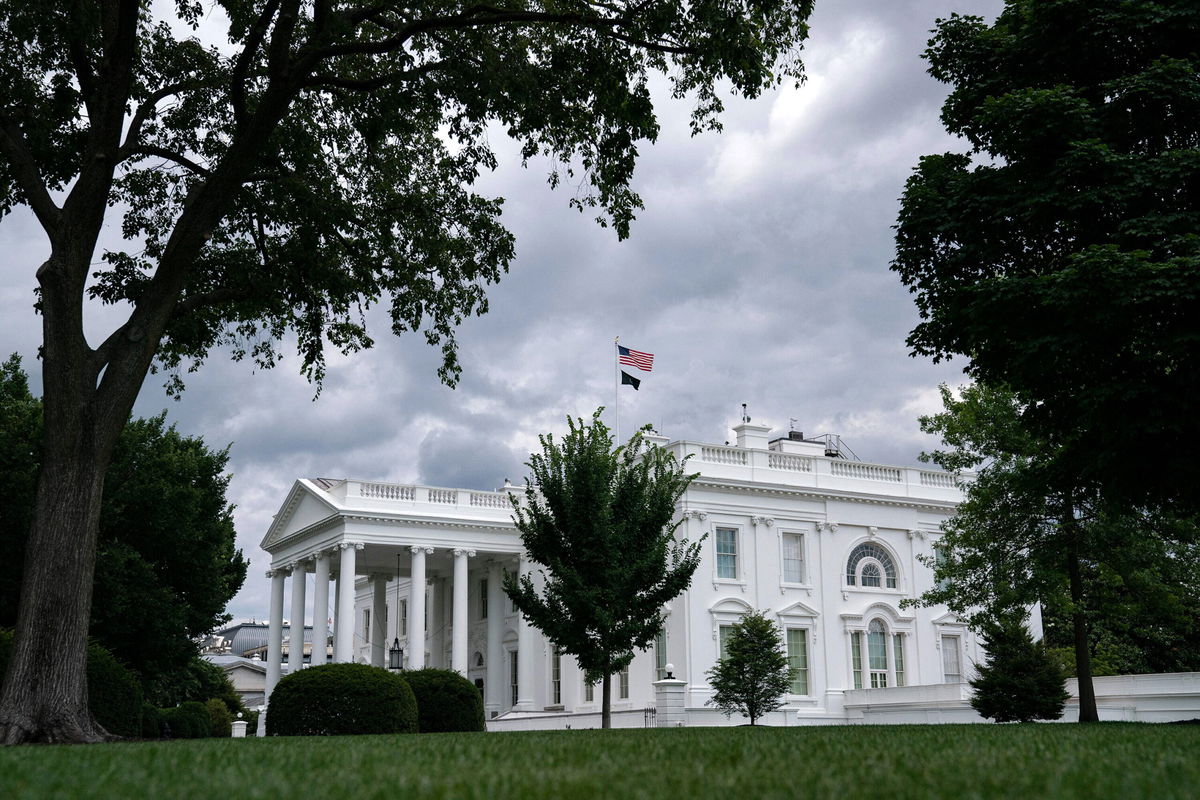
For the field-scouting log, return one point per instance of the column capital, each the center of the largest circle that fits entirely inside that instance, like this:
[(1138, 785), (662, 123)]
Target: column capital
[(832, 526), (768, 521), (695, 514), (917, 534), (458, 551), (417, 548), (348, 545), (271, 573)]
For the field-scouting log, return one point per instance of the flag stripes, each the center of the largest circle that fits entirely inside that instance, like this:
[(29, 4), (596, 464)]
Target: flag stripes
[(635, 358)]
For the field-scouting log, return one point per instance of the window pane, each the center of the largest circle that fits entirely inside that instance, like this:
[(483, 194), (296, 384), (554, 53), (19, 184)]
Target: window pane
[(367, 625), (660, 655), (876, 552), (483, 599), (870, 575), (951, 665), (589, 692), (723, 640), (797, 647), (856, 657), (623, 686), (898, 657), (726, 553), (793, 558), (512, 672), (877, 646), (556, 676)]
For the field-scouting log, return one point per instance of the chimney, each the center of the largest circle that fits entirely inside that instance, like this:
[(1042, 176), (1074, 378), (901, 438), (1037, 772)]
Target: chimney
[(752, 437)]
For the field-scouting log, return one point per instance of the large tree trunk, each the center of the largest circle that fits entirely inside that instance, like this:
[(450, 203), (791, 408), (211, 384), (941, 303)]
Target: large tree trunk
[(1083, 657), (606, 703)]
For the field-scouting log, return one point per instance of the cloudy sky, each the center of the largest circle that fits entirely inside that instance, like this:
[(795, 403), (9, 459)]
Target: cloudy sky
[(758, 273)]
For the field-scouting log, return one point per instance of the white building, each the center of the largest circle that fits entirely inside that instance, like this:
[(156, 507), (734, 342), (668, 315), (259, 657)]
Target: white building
[(828, 547)]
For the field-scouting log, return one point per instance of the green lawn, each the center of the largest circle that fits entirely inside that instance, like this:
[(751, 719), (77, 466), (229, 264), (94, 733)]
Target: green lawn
[(1126, 761)]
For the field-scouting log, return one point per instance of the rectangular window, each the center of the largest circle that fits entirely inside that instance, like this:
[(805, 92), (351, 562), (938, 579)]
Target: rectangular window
[(723, 634), (660, 655), (793, 558), (404, 617), (483, 599), (951, 660), (556, 677), (898, 657), (589, 693), (512, 676), (623, 685), (727, 553), (877, 658), (856, 657), (367, 625), (940, 558), (797, 652)]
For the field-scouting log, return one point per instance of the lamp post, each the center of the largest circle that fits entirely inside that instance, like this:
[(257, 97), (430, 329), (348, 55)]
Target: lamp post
[(395, 654)]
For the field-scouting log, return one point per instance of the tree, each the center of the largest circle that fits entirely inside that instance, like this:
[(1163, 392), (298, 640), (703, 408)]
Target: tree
[(753, 676), (1020, 681), (1060, 256), (167, 562), (600, 522), (1026, 534), (318, 164)]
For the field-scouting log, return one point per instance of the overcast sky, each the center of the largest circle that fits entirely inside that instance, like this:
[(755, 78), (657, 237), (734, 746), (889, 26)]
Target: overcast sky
[(758, 273)]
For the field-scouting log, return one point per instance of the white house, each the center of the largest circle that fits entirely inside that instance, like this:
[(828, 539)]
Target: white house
[(828, 547)]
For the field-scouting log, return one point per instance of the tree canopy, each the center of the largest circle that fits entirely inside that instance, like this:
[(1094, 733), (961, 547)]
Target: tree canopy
[(167, 562), (1061, 255), (600, 522)]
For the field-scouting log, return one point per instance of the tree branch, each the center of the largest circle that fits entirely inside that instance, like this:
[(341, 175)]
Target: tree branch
[(368, 84), (25, 171), (241, 68), (148, 107), (170, 155)]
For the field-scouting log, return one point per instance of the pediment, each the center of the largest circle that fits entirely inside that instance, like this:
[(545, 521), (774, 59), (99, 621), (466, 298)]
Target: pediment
[(798, 610), (305, 505), (950, 618), (730, 605), (879, 609)]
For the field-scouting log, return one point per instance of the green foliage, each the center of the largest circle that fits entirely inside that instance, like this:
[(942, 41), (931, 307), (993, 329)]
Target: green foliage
[(167, 562), (446, 701), (753, 677), (341, 699), (114, 694), (1061, 256), (599, 521), (1021, 681), (1114, 761), (151, 721), (200, 680), (188, 720), (219, 718)]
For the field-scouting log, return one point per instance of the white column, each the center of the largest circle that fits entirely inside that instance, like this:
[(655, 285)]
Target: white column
[(416, 608), (458, 653), (493, 682), (435, 621), (296, 628), (275, 630), (527, 651), (343, 626), (378, 624), (320, 608)]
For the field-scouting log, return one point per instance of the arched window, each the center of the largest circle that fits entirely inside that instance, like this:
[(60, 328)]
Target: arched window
[(870, 565), (881, 660)]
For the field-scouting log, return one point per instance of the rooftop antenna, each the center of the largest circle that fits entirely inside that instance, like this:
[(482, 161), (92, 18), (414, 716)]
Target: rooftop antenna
[(745, 416)]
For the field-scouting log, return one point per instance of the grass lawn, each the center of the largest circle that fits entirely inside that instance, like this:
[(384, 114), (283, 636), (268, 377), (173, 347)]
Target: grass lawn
[(1127, 761)]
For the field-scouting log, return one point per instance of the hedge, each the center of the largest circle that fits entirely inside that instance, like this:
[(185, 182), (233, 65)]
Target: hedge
[(114, 694), (340, 699), (446, 701), (220, 721), (188, 720), (151, 722)]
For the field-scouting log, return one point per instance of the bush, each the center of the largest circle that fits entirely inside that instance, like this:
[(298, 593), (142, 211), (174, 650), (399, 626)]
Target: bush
[(1020, 682), (446, 701), (220, 721), (188, 720), (151, 722), (114, 693), (753, 676), (340, 699)]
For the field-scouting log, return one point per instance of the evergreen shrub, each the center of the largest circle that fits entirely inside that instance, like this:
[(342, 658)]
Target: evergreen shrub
[(220, 721), (1020, 682), (114, 693), (188, 720), (446, 701), (151, 722), (341, 699)]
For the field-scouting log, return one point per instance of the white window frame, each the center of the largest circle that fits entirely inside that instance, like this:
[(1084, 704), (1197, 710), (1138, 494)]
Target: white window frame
[(802, 540), (555, 676), (660, 654), (806, 637), (724, 631), (737, 554), (894, 623), (623, 683), (863, 562), (957, 644)]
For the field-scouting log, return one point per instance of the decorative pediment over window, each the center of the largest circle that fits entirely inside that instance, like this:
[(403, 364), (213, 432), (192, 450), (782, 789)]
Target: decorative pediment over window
[(897, 620), (798, 612), (728, 611)]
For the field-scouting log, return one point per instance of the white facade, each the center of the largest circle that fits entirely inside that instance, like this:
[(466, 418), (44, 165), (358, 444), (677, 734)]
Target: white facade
[(827, 547)]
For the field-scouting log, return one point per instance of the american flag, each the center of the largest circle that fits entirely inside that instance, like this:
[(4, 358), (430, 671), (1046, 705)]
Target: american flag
[(635, 358)]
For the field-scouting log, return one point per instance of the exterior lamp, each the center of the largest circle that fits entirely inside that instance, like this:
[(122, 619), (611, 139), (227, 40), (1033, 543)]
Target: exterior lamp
[(395, 654)]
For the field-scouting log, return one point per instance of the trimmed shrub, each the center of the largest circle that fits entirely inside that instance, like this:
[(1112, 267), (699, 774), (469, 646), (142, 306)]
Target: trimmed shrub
[(341, 699), (114, 693), (446, 701), (220, 721), (188, 720), (151, 724), (1020, 681)]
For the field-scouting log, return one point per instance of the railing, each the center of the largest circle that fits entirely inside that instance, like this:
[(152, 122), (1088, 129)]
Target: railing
[(448, 496), (723, 455), (388, 491), (789, 462), (868, 472), (490, 499), (940, 480)]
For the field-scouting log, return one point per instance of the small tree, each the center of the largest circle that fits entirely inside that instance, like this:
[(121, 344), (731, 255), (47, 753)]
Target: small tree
[(1020, 682), (600, 521), (753, 676)]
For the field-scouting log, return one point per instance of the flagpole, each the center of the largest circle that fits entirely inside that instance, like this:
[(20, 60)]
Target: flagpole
[(617, 386)]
